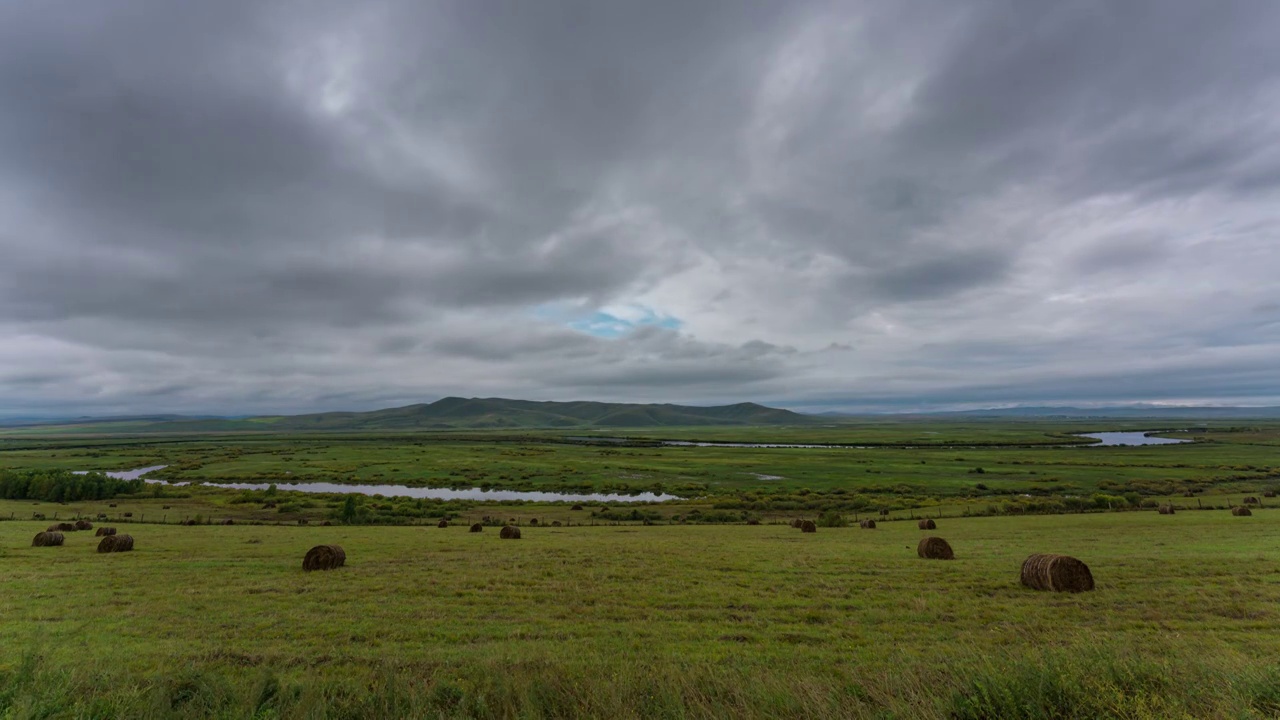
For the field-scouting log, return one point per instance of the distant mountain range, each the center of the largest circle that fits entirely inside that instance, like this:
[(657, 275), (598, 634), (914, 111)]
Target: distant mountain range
[(1120, 412), (455, 413), (1132, 411)]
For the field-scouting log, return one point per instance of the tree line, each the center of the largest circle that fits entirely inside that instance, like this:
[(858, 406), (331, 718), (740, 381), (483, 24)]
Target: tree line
[(63, 485)]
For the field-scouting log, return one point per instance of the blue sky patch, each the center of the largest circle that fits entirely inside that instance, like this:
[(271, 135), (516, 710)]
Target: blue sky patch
[(609, 322)]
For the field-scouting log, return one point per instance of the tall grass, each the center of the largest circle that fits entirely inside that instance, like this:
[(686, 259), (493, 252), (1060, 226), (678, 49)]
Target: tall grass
[(1058, 685)]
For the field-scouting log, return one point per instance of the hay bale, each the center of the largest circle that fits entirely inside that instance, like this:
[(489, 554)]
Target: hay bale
[(104, 531), (164, 507), (47, 539), (753, 521), (1241, 511), (1059, 573), (935, 548), (128, 514), (884, 512), (116, 543), (576, 507), (927, 524), (1251, 501), (555, 523), (324, 557), (1165, 509), (443, 523), (533, 521), (112, 505), (796, 523), (867, 524), (509, 532), (189, 521), (809, 526), (37, 516), (1269, 493), (102, 516), (83, 524), (476, 527), (61, 527), (1188, 494)]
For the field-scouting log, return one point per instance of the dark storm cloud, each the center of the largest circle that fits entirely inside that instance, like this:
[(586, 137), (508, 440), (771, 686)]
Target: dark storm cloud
[(251, 206)]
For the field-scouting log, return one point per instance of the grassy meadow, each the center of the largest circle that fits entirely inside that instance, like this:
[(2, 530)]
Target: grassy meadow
[(695, 615), (647, 621)]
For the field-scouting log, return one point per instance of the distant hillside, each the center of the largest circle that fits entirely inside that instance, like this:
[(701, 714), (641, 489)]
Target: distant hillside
[(1133, 411), (479, 413), (454, 413)]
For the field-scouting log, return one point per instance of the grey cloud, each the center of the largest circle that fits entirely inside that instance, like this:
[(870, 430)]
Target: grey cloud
[(270, 205)]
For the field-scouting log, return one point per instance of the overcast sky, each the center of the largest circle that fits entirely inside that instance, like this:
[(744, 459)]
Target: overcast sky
[(252, 206)]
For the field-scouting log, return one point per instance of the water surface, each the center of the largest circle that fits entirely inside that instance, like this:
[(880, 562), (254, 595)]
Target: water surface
[(1139, 437), (413, 492)]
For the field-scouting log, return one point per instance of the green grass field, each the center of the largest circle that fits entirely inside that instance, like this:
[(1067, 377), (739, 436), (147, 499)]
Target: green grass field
[(1227, 459), (634, 621), (697, 615)]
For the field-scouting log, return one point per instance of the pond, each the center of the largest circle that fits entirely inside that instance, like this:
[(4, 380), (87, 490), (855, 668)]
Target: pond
[(415, 492), (1139, 437)]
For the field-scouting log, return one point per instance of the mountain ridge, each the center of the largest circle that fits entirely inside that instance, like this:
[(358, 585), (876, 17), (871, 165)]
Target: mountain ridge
[(457, 413)]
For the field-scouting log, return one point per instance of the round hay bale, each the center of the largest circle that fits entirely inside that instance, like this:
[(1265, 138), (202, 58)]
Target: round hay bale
[(189, 521), (477, 527), (229, 521), (1241, 511), (102, 516), (1058, 573), (326, 523), (324, 557), (83, 524), (797, 523), (61, 527), (809, 526), (867, 524), (753, 521), (1165, 509), (576, 507), (442, 524), (1269, 493), (1251, 501), (509, 532), (105, 531), (935, 548), (927, 524), (555, 523), (129, 514), (112, 505), (47, 538), (884, 512), (533, 521), (116, 543)]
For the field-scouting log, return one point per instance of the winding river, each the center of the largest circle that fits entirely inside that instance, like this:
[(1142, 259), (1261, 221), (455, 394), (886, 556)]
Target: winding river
[(1106, 439)]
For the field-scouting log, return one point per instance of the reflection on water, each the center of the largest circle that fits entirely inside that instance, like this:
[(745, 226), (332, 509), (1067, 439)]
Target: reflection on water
[(1130, 438), (413, 492)]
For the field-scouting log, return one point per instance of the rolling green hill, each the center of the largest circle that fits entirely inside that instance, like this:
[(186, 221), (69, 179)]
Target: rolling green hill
[(455, 413), (475, 413)]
